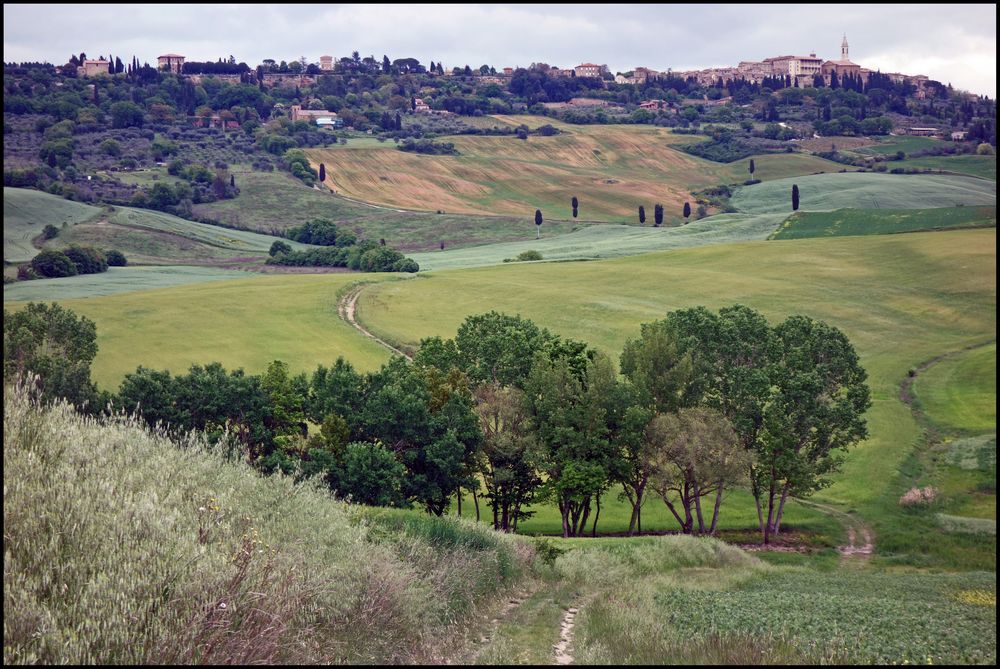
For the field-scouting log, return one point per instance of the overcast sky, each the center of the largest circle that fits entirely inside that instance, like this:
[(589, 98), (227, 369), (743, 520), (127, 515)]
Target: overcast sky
[(951, 43)]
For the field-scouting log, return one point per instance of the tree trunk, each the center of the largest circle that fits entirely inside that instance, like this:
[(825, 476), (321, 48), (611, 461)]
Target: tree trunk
[(770, 513), (564, 510), (597, 515), (686, 501), (697, 506), (636, 507), (674, 511), (505, 518), (475, 500), (781, 509), (459, 501), (715, 514), (496, 517), (755, 489)]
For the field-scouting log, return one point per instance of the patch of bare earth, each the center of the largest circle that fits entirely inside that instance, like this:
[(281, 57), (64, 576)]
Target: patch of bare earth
[(564, 647)]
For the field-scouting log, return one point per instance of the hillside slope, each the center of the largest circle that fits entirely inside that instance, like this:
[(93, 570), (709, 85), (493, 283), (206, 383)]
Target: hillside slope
[(121, 547)]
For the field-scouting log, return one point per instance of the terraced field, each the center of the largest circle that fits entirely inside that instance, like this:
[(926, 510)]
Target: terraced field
[(610, 169)]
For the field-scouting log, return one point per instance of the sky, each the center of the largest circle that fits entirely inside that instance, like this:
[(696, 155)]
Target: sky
[(951, 43)]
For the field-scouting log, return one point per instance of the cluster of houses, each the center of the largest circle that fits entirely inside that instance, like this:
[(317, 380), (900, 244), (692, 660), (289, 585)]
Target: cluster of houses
[(801, 70)]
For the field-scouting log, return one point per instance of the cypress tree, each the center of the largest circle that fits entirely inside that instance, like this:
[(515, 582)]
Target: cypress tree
[(687, 211), (752, 168), (795, 197), (575, 204), (538, 223), (322, 172), (642, 215), (658, 215)]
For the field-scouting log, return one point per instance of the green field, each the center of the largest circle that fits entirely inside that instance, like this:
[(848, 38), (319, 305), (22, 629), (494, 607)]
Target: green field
[(115, 281), (827, 192), (977, 166), (26, 212), (242, 323), (841, 222), (611, 169), (960, 392), (905, 143), (610, 241), (900, 299)]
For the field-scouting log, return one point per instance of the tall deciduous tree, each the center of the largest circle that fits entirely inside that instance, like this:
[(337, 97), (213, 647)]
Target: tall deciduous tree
[(55, 344), (695, 454)]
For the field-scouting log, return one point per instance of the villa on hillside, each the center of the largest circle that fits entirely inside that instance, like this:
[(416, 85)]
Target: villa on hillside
[(170, 62)]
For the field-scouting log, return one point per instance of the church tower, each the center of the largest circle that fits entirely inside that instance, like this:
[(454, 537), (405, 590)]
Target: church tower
[(843, 48)]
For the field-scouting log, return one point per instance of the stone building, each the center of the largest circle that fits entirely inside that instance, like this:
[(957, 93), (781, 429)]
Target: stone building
[(171, 62)]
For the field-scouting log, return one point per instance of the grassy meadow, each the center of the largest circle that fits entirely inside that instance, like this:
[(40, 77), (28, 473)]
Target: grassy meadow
[(115, 281), (611, 170), (26, 212), (242, 323), (841, 222), (865, 190), (959, 392)]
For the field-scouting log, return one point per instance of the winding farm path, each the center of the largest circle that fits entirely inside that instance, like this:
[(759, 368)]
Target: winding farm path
[(347, 307)]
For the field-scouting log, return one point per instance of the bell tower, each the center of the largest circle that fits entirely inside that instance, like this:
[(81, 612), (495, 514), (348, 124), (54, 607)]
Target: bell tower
[(843, 48)]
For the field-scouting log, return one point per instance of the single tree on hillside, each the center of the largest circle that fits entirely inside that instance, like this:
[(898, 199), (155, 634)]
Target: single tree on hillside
[(232, 180), (795, 197), (322, 172), (642, 215), (687, 211), (575, 203), (752, 168), (658, 215), (538, 223)]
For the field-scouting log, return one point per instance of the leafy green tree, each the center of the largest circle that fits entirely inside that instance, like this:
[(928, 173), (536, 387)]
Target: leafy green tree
[(126, 115), (498, 348), (279, 247), (55, 344), (53, 264), (116, 258), (506, 459), (569, 423), (50, 231), (88, 260), (336, 390), (372, 475), (815, 411), (695, 453)]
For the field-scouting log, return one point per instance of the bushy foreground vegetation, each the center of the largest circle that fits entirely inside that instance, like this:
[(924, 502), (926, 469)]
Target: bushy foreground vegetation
[(124, 547)]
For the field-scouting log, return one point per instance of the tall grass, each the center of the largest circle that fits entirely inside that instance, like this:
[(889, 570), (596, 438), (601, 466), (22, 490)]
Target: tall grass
[(124, 547)]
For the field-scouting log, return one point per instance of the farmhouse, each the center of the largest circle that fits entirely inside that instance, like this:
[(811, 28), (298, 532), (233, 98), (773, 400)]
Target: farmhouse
[(300, 114), (170, 62), (922, 132), (589, 70), (91, 68), (420, 106)]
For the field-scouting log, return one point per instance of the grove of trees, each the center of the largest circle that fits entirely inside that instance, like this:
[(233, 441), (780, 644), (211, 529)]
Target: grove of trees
[(705, 402)]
